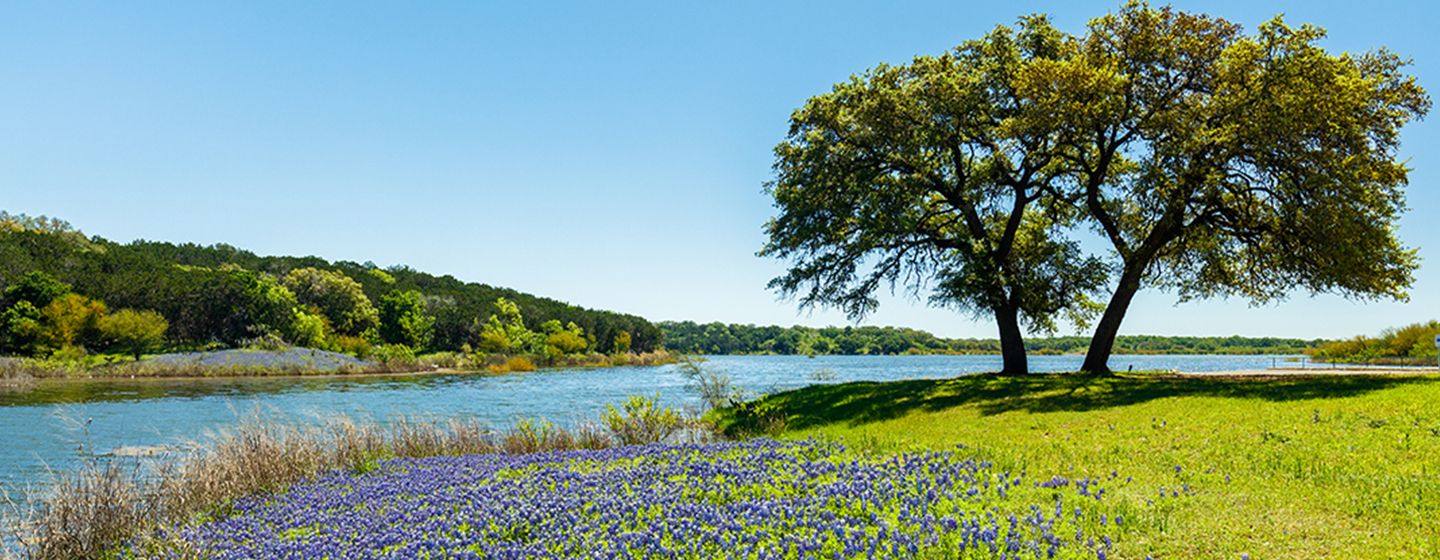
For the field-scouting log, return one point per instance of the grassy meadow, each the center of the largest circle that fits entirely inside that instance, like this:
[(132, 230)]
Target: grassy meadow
[(1327, 467)]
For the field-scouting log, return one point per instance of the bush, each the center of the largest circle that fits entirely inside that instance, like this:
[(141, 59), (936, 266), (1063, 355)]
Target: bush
[(755, 417), (135, 332), (72, 319), (515, 363), (308, 329), (713, 386), (1414, 342), (353, 345), (394, 357), (641, 421)]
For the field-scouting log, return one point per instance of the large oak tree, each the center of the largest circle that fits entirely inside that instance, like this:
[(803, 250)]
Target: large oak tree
[(1218, 163), (1214, 163), (932, 177)]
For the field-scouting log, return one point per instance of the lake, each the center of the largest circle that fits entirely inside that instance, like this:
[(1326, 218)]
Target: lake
[(45, 428)]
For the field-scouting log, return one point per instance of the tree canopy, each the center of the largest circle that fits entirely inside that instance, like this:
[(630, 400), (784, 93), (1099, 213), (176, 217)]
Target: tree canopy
[(1214, 163), (1217, 162), (935, 177), (337, 297), (220, 294), (135, 332)]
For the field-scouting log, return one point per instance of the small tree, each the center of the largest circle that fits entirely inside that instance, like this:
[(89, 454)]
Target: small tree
[(71, 319), (560, 341), (338, 297), (135, 332), (403, 319), (504, 332), (622, 342), (309, 329), (20, 330)]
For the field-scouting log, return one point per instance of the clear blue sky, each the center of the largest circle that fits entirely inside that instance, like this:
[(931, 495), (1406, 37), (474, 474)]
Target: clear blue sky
[(608, 154)]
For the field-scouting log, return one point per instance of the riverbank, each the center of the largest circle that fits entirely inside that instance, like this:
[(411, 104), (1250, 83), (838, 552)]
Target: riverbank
[(1212, 467), (20, 373)]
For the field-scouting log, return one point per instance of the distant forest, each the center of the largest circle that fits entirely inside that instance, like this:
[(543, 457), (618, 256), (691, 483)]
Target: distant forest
[(718, 338), (219, 295)]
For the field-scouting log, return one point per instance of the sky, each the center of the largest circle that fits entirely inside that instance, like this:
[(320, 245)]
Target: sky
[(608, 154)]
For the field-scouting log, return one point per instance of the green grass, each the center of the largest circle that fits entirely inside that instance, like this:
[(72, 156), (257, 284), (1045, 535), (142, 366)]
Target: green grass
[(1319, 467)]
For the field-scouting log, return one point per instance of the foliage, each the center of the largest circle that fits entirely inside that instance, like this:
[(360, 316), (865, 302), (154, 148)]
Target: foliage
[(641, 420), (396, 357), (403, 319), (622, 343), (1416, 341), (513, 364), (223, 295), (713, 386), (20, 331), (1213, 161), (309, 329), (718, 338), (227, 304), (72, 319), (505, 331), (1286, 467), (560, 341), (134, 332), (336, 296), (352, 345), (935, 175), (1221, 163), (37, 288)]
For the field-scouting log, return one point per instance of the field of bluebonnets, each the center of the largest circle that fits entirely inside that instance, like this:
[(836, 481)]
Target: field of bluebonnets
[(756, 499)]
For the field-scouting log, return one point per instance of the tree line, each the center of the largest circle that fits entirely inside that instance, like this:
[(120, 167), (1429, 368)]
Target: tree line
[(58, 283), (1414, 343), (718, 338), (1210, 161)]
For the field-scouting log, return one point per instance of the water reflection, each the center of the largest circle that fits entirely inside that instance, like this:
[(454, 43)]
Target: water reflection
[(73, 391)]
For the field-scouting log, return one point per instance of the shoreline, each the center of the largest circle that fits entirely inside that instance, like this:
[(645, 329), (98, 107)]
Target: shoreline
[(325, 375), (1298, 372), (21, 373)]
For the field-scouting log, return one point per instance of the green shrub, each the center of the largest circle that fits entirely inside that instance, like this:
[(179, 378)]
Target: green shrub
[(641, 420), (394, 357), (134, 332), (356, 346)]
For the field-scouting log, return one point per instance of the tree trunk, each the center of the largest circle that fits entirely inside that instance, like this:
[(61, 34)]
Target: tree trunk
[(1012, 341), (1097, 358)]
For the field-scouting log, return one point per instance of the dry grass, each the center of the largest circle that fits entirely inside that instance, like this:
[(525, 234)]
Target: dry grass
[(14, 376), (27, 368), (20, 373), (93, 512), (512, 364)]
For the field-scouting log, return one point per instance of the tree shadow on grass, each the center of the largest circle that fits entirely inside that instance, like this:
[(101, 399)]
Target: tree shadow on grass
[(864, 402)]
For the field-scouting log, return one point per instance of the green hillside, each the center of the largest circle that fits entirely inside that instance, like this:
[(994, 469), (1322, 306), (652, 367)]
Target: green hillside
[(220, 294)]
